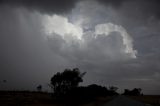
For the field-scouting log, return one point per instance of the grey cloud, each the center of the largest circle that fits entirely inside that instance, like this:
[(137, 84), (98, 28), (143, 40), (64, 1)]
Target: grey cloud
[(103, 48), (152, 5), (115, 3), (25, 59), (44, 6)]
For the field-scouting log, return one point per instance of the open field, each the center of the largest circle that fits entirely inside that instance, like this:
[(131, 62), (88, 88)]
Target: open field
[(26, 98), (153, 100)]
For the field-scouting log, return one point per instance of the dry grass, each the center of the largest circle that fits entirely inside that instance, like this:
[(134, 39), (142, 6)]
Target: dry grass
[(153, 100), (26, 98)]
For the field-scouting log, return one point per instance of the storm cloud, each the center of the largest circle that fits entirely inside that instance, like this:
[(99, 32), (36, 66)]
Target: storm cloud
[(115, 41), (49, 6)]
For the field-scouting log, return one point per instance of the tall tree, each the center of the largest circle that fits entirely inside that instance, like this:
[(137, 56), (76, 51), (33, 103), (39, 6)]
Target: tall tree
[(63, 82)]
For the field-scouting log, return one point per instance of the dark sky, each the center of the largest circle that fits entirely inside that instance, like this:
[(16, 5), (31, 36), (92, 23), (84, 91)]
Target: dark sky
[(115, 41)]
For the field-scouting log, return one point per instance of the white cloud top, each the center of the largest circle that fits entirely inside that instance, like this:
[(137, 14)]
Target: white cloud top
[(70, 32), (107, 28), (60, 25)]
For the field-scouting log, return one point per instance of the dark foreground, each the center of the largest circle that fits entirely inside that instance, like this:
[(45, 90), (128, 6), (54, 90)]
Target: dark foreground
[(125, 101), (26, 98)]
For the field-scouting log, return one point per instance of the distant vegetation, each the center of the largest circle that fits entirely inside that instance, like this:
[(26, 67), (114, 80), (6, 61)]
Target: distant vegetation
[(65, 85), (134, 92)]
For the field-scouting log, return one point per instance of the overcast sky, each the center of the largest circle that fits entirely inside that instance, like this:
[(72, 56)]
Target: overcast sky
[(115, 41)]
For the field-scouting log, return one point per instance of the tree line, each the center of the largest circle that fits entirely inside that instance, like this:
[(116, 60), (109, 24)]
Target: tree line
[(66, 85)]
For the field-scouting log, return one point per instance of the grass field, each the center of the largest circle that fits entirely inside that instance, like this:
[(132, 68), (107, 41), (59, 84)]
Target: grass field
[(153, 100), (26, 98)]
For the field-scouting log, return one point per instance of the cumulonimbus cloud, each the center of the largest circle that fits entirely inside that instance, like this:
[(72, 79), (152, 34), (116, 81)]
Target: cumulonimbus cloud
[(60, 25), (107, 28)]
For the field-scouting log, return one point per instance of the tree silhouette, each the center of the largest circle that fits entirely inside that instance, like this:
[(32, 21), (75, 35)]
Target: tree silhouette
[(97, 90), (89, 93), (65, 81), (134, 92), (113, 88), (86, 93), (39, 88)]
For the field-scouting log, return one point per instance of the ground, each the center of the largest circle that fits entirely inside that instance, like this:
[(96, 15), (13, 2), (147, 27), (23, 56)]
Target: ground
[(26, 98)]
